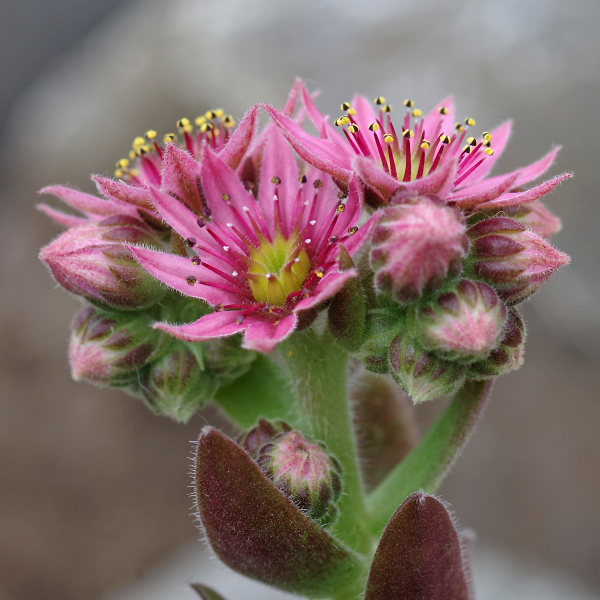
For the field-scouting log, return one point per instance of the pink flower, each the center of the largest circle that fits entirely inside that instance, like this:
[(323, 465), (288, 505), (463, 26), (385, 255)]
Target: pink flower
[(418, 155), (262, 263)]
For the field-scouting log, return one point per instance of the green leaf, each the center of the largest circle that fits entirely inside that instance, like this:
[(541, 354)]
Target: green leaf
[(429, 462)]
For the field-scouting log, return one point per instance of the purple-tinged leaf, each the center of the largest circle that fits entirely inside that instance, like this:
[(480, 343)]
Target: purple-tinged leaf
[(257, 531), (420, 555)]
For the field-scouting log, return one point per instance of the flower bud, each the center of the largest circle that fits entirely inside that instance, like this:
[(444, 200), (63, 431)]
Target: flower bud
[(260, 435), (305, 472), (111, 348), (415, 247), (536, 217), (508, 355), (381, 327), (90, 260), (513, 259), (177, 385), (464, 324), (226, 358), (421, 375)]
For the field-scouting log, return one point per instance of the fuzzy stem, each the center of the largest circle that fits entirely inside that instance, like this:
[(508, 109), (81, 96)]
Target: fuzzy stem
[(317, 368)]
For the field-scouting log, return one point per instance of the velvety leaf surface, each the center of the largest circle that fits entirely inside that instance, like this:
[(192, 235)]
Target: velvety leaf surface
[(257, 531), (420, 555), (205, 592)]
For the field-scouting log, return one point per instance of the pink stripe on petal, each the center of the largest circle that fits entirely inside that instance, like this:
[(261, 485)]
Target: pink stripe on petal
[(329, 286), (527, 196), (538, 168), (180, 176), (440, 182), (88, 204), (323, 154), (213, 325), (264, 334), (500, 137), (174, 270), (123, 192), (240, 139), (60, 217), (375, 177), (485, 191)]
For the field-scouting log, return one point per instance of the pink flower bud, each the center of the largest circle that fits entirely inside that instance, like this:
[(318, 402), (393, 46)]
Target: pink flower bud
[(464, 324), (305, 472), (90, 260), (260, 435), (110, 348), (177, 386), (421, 375), (513, 259), (415, 247), (536, 217), (508, 355)]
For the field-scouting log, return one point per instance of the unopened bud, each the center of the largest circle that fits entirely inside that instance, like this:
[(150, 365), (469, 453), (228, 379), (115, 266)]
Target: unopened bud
[(381, 327), (111, 348), (226, 358), (415, 247), (536, 217), (423, 376), (177, 385), (305, 472), (513, 259), (91, 261), (263, 433), (464, 324), (508, 355)]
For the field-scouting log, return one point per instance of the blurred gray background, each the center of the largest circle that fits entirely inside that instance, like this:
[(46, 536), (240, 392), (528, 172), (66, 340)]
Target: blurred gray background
[(93, 488)]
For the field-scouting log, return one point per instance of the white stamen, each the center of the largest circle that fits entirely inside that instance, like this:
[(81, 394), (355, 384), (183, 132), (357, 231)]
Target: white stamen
[(296, 259), (312, 222), (234, 273), (245, 208), (226, 248), (306, 203), (275, 198), (229, 224), (307, 241)]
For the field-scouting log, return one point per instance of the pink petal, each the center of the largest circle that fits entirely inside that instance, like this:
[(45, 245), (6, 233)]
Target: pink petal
[(290, 105), (329, 286), (485, 191), (375, 177), (88, 204), (210, 326), (353, 209), (439, 183), (123, 192), (323, 154), (500, 137), (536, 169), (61, 217), (365, 115), (278, 161), (173, 270), (180, 176), (264, 334), (434, 123), (241, 138), (527, 196)]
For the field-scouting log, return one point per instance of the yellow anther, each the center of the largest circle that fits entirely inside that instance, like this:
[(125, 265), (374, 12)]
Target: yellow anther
[(118, 173), (486, 143), (182, 123), (144, 149), (138, 142), (379, 100), (225, 196), (344, 120), (387, 108), (337, 122), (352, 230), (459, 127), (341, 207), (121, 164), (353, 128), (487, 136), (206, 127), (408, 133), (319, 272), (467, 149), (489, 151), (133, 172), (373, 127), (408, 103), (471, 141), (218, 112), (132, 155), (443, 110), (187, 129), (417, 112), (444, 139), (170, 137), (228, 121), (425, 144), (469, 121), (150, 134), (200, 120), (388, 138), (351, 111), (345, 106)]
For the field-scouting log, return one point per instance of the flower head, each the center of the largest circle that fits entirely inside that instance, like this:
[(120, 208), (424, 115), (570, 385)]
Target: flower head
[(261, 263)]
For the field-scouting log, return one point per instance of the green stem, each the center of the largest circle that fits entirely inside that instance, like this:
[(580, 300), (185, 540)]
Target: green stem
[(317, 368), (429, 462)]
